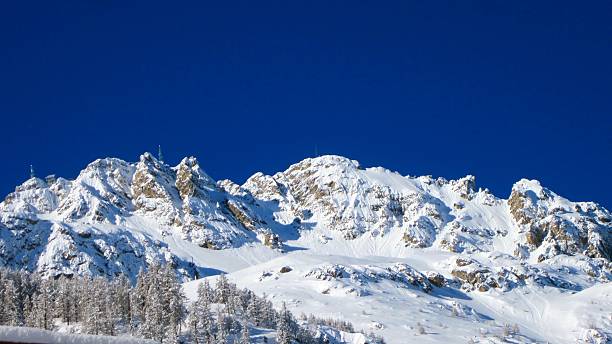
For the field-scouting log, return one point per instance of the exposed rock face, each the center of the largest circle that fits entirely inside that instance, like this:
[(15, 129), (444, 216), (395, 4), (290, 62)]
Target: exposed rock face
[(240, 215), (554, 225), (153, 190), (191, 180)]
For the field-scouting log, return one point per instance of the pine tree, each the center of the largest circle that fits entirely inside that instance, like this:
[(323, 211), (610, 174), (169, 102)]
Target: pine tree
[(206, 322), (193, 324), (174, 301), (138, 298), (155, 319), (222, 289), (27, 311), (10, 304), (245, 336), (283, 326), (154, 325), (64, 301), (268, 312), (205, 292), (42, 310), (110, 309), (81, 301), (121, 292), (95, 320), (222, 330), (254, 311)]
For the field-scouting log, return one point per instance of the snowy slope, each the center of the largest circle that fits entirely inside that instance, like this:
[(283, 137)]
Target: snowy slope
[(417, 259), (388, 295)]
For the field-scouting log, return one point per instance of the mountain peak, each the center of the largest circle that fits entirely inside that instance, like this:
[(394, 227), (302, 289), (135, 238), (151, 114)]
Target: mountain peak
[(328, 160)]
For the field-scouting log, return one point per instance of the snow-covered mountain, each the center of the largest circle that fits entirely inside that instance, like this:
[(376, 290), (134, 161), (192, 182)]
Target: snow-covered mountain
[(365, 244)]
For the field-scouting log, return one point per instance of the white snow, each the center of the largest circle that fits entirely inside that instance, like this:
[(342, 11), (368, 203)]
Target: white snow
[(38, 336)]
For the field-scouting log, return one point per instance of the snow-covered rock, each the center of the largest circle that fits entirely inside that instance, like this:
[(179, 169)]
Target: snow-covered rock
[(552, 225)]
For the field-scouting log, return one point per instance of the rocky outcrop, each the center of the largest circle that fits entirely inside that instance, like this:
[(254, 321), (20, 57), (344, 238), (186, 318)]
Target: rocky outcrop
[(474, 276), (153, 192), (436, 278), (191, 180), (402, 274), (240, 215), (272, 241), (465, 187), (553, 225)]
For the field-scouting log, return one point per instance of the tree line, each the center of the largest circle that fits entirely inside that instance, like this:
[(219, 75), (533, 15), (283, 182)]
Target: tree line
[(154, 307)]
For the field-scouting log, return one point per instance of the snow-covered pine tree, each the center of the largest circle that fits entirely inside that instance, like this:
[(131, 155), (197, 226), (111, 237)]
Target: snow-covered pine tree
[(222, 330), (94, 308), (82, 290), (254, 310), (230, 304), (41, 313), (268, 312), (110, 308), (205, 292), (2, 288), (154, 324), (201, 321), (121, 291), (283, 326), (37, 313), (243, 298), (27, 310), (138, 298), (222, 289), (173, 301), (245, 336), (193, 324), (11, 310), (64, 301)]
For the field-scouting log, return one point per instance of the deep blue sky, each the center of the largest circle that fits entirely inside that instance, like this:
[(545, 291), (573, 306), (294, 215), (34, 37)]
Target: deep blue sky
[(501, 90)]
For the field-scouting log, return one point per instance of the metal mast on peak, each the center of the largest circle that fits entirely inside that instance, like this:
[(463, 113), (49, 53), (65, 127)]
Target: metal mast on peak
[(160, 156)]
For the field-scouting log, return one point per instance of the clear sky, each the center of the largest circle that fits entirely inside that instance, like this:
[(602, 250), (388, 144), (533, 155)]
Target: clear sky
[(498, 89)]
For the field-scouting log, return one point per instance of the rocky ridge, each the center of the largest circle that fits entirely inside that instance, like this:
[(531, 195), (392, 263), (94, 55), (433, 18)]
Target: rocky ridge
[(109, 220)]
